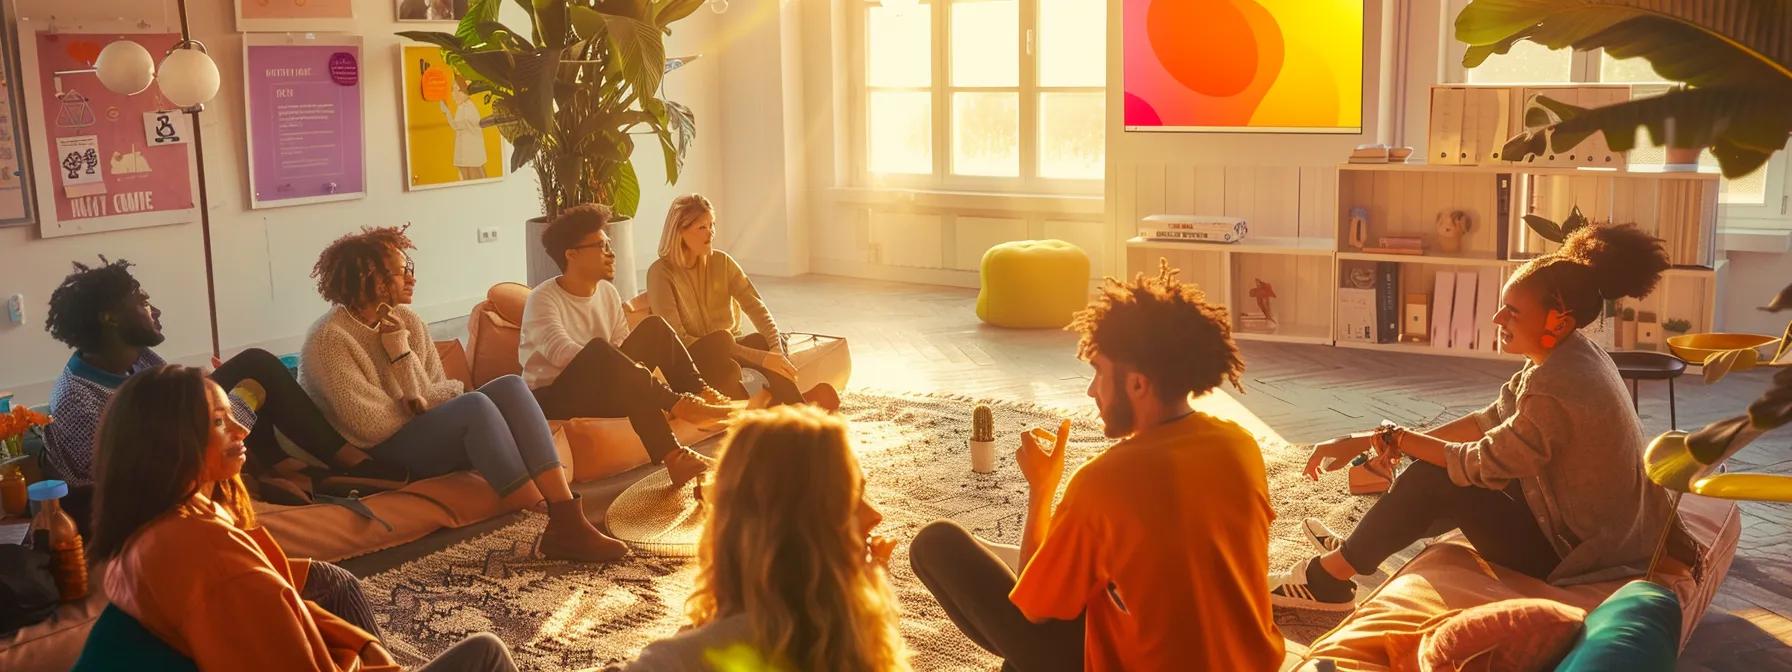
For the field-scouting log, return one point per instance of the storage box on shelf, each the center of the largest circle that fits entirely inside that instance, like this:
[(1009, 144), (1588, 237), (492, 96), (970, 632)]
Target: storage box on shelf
[(1470, 124)]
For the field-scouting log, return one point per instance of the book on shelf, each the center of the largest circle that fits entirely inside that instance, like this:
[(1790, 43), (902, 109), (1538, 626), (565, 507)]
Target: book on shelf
[(1443, 298), (1402, 242), (1356, 315), (1387, 302), (1408, 251), (1502, 214), (1487, 302), (1462, 316)]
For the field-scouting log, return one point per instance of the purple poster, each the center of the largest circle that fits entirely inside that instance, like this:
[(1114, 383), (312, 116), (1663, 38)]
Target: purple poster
[(305, 133)]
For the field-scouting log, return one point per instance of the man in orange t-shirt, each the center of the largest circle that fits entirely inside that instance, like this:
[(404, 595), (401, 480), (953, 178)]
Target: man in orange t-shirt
[(1156, 557)]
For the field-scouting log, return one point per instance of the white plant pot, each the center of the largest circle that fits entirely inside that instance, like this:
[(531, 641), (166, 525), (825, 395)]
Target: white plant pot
[(983, 456)]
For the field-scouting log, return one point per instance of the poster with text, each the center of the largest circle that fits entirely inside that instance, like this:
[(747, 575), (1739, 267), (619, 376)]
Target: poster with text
[(294, 15), (306, 141), (446, 142), (98, 171), (15, 165)]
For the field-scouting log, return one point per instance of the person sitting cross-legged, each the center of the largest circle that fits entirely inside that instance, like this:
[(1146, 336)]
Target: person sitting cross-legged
[(104, 314), (1152, 559), (1547, 480), (582, 360), (176, 534), (371, 366)]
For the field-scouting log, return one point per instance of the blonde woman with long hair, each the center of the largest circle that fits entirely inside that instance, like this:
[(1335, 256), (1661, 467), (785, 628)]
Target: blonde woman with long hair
[(698, 289), (789, 576)]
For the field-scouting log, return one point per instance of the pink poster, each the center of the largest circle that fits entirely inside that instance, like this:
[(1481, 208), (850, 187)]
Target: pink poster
[(102, 163)]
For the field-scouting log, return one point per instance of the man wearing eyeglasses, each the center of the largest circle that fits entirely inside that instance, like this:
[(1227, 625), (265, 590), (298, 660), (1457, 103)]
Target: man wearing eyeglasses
[(583, 361)]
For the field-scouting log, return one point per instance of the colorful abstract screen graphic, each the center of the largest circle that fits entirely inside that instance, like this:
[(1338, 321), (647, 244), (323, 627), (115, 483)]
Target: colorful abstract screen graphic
[(1244, 65)]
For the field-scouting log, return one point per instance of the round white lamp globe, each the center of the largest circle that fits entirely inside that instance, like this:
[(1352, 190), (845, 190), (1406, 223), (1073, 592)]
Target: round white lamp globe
[(125, 67), (188, 77)]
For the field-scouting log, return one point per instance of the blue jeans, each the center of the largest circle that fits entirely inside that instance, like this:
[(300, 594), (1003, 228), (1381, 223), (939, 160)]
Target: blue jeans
[(497, 430)]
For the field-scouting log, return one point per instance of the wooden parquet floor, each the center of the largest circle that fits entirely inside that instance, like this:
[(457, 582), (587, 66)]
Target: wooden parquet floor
[(928, 339)]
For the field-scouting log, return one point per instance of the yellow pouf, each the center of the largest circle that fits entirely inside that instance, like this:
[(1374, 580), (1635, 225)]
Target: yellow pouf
[(1033, 284)]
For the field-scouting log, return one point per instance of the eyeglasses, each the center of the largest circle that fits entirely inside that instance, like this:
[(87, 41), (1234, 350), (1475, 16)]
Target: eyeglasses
[(410, 267), (605, 246)]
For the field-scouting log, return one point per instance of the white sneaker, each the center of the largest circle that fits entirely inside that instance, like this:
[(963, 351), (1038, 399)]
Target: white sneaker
[(1320, 536), (1292, 590)]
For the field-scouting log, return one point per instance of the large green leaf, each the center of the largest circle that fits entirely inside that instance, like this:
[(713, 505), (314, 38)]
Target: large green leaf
[(551, 21), (625, 190), (478, 12), (587, 23), (1699, 42), (640, 53), (666, 12), (444, 40), (523, 150), (534, 95), (1742, 126)]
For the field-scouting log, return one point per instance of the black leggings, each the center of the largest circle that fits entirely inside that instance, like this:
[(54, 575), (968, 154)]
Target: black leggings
[(1424, 503), (714, 354), (972, 585), (286, 408), (605, 381)]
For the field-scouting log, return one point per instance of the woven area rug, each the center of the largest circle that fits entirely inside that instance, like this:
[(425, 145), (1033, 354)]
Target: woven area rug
[(558, 616)]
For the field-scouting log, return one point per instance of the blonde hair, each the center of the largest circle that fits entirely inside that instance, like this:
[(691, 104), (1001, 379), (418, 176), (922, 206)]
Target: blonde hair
[(684, 212), (782, 546)]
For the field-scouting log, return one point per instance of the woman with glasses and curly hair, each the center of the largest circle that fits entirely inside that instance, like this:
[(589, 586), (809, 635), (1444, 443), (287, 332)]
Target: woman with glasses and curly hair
[(788, 578), (372, 368)]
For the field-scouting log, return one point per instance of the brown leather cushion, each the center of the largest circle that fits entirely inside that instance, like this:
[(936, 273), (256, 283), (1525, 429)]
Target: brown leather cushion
[(508, 299), (454, 361), (1450, 575)]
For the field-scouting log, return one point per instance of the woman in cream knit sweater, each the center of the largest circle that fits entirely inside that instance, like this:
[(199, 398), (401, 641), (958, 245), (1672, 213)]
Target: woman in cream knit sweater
[(696, 287), (371, 367)]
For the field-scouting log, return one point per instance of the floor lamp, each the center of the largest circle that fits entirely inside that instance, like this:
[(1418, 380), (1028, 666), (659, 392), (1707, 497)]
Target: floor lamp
[(188, 78)]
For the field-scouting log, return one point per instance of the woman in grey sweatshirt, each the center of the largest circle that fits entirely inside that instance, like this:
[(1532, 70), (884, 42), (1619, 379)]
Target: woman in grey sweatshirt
[(1548, 479)]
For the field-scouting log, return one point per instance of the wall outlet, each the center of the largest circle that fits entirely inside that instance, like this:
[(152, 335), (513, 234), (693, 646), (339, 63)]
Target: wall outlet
[(488, 234), (15, 309)]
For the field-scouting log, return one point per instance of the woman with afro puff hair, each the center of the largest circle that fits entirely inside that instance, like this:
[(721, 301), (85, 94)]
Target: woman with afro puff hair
[(1155, 559), (1548, 479), (371, 366)]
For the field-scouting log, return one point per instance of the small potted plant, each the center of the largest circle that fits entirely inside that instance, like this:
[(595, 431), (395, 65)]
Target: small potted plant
[(983, 440)]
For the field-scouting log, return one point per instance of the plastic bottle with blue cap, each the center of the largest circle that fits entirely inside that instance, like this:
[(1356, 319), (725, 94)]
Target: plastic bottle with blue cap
[(54, 531)]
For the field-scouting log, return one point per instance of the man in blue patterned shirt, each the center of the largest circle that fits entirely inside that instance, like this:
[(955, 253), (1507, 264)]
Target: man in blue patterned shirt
[(104, 314)]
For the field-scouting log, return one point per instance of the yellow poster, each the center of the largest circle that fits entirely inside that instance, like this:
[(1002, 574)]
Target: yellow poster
[(445, 140)]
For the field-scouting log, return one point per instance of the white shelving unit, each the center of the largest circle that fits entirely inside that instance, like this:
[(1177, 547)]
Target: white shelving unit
[(1307, 267)]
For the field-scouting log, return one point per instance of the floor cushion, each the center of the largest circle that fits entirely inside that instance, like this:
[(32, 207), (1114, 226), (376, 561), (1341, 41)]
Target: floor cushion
[(1450, 575), (1032, 284)]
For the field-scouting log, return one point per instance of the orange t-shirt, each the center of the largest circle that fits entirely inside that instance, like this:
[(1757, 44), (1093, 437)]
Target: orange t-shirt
[(1163, 542)]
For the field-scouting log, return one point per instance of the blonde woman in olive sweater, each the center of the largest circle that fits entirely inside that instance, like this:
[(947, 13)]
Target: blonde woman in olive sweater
[(697, 289)]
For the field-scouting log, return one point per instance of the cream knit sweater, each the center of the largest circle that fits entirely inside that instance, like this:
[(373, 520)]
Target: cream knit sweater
[(360, 377)]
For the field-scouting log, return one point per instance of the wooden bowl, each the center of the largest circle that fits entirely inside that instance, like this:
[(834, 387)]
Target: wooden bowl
[(1694, 348)]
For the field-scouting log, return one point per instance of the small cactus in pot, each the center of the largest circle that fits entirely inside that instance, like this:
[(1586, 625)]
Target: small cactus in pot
[(983, 439)]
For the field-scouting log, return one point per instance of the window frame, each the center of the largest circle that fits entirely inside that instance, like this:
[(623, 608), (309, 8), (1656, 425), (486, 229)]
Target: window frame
[(1584, 67), (941, 90)]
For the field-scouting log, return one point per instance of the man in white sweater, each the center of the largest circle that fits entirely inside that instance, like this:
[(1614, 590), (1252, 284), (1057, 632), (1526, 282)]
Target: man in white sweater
[(583, 361)]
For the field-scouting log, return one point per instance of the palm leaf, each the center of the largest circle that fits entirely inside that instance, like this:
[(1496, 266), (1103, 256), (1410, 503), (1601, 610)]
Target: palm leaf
[(1699, 42), (478, 12), (625, 190), (640, 53), (665, 12), (1545, 228), (523, 150), (1743, 126), (551, 19)]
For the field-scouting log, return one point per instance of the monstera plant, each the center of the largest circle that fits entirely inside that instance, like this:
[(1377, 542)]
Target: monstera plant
[(1734, 58), (574, 90)]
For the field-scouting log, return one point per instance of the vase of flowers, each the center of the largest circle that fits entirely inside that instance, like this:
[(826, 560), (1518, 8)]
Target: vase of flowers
[(13, 427)]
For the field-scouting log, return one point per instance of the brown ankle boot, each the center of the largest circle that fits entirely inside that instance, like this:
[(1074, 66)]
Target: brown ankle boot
[(570, 536), (685, 464), (824, 396)]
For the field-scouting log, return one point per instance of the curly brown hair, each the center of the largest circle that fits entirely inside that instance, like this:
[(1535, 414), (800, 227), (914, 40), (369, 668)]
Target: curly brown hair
[(351, 271), (1596, 264), (1163, 329)]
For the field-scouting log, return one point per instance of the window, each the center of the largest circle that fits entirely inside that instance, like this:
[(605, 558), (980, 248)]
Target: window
[(1755, 200), (1005, 95)]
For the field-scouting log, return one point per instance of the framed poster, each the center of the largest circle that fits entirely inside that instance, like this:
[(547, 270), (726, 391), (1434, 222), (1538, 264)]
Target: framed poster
[(445, 141), (101, 169), (16, 198), (277, 16), (306, 139), (429, 10)]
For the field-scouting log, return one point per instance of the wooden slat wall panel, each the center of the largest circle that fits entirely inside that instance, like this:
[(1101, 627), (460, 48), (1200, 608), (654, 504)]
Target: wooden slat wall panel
[(1210, 190), (1086, 235)]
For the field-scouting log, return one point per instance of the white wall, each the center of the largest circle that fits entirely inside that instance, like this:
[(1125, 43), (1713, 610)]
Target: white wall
[(264, 257)]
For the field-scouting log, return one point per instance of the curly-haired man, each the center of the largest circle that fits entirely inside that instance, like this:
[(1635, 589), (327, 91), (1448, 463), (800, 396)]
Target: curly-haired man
[(1152, 560)]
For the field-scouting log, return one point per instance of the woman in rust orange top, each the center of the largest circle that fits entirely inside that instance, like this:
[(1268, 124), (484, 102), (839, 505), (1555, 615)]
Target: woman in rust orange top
[(174, 526)]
